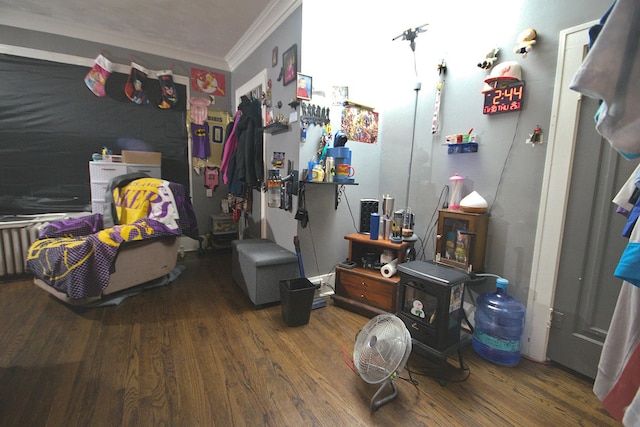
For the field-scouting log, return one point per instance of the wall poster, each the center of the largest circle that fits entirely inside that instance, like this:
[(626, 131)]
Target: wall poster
[(208, 82), (360, 124)]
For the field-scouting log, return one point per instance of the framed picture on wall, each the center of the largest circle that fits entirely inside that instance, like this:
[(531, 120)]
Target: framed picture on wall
[(289, 64), (304, 87), (274, 56)]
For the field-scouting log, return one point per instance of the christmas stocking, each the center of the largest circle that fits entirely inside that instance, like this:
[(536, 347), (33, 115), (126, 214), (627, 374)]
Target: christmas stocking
[(168, 96), (134, 88), (97, 76)]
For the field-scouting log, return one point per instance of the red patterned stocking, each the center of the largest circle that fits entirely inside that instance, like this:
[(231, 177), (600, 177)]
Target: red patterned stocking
[(97, 76), (134, 88)]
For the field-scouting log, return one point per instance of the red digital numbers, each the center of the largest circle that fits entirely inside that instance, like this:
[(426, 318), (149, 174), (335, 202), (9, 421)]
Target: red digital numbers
[(504, 100)]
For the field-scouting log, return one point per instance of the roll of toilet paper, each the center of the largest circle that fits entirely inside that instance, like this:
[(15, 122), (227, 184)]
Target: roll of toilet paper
[(389, 269)]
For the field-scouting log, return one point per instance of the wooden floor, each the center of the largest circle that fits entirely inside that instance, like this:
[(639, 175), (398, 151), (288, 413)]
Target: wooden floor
[(196, 353)]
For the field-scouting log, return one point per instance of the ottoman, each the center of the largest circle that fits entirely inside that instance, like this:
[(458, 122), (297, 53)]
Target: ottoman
[(259, 268), (235, 262)]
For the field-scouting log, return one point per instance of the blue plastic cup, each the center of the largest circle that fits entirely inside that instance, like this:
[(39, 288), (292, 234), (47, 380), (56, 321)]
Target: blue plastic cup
[(374, 226), (310, 170)]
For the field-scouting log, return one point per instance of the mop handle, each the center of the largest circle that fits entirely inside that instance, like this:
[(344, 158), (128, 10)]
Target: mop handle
[(296, 243)]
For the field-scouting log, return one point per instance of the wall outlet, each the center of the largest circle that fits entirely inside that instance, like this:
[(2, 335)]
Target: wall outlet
[(326, 283)]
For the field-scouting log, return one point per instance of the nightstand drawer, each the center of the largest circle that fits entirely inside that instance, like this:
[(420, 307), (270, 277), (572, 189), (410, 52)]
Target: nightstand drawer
[(98, 189), (152, 170), (104, 171), (379, 293)]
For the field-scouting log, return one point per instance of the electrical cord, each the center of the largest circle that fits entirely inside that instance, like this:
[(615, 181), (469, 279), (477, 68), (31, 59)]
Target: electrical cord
[(308, 225), (348, 362), (436, 374), (434, 221), (473, 276), (353, 220), (428, 233), (506, 160), (313, 246), (328, 285), (410, 380), (466, 320)]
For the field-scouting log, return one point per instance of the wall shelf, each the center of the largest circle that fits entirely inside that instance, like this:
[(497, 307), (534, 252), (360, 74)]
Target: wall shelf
[(339, 186), (464, 147), (276, 128)]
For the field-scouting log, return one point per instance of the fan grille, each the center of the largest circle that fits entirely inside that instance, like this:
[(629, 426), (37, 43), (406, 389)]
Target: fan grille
[(382, 348)]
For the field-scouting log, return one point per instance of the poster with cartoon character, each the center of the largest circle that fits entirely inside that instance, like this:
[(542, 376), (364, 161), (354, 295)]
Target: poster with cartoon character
[(208, 82)]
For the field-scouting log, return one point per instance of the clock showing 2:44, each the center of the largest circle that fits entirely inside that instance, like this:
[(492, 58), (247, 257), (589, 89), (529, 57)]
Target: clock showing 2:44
[(504, 99)]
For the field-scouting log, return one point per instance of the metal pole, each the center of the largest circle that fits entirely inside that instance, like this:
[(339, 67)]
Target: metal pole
[(417, 88)]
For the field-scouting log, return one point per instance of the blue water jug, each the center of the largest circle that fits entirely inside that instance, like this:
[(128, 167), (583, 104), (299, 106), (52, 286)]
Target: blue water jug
[(499, 322)]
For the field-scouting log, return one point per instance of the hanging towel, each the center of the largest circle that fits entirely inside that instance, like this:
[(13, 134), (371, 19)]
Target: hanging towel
[(610, 72), (618, 375)]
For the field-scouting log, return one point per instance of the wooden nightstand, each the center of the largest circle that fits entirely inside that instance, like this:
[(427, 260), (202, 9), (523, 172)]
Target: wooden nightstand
[(365, 290)]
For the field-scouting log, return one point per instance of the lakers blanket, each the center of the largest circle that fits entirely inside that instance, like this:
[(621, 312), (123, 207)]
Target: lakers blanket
[(74, 259)]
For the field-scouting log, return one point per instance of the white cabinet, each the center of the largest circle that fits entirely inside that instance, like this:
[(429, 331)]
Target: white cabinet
[(100, 173)]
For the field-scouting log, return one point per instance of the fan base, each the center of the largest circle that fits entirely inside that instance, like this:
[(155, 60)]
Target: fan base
[(377, 402)]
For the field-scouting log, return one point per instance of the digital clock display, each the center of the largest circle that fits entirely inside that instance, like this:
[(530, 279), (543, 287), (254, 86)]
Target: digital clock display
[(505, 99)]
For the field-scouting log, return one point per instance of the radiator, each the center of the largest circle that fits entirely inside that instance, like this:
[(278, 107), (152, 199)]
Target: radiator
[(16, 235)]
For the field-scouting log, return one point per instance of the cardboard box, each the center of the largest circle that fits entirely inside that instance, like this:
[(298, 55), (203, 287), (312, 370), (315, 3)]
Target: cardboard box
[(141, 157)]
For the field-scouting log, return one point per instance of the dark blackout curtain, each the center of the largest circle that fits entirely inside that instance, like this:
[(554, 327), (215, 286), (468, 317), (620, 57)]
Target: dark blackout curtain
[(51, 124)]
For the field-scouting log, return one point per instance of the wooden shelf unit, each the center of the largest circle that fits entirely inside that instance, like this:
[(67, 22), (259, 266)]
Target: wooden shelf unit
[(462, 239)]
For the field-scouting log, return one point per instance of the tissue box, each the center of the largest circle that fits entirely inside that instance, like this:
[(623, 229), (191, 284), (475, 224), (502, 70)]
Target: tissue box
[(141, 157)]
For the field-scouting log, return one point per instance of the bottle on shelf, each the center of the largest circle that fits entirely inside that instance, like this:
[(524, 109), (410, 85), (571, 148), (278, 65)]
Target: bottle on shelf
[(499, 322), (274, 186)]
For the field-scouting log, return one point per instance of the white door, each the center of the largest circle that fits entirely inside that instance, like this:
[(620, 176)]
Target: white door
[(586, 290), (573, 292)]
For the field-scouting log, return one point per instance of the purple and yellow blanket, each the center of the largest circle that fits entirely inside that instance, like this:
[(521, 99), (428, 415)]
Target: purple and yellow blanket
[(76, 256)]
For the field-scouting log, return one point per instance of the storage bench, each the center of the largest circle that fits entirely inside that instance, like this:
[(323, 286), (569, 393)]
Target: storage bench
[(258, 266)]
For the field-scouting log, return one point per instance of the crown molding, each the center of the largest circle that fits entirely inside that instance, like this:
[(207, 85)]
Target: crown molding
[(22, 20), (272, 17)]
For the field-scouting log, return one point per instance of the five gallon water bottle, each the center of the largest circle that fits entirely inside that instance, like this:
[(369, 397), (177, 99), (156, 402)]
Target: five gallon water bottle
[(499, 322)]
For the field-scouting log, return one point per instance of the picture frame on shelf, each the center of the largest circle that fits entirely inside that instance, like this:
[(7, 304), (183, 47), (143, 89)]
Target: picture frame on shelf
[(290, 64), (304, 86)]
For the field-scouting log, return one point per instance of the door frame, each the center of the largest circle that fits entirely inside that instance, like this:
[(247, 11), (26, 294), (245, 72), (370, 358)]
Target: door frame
[(259, 79), (554, 195)]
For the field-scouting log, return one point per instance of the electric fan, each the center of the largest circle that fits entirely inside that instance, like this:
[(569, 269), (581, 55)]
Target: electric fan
[(381, 351)]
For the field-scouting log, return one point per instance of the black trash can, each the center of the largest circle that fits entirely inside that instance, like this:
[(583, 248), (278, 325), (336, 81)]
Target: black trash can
[(296, 296)]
